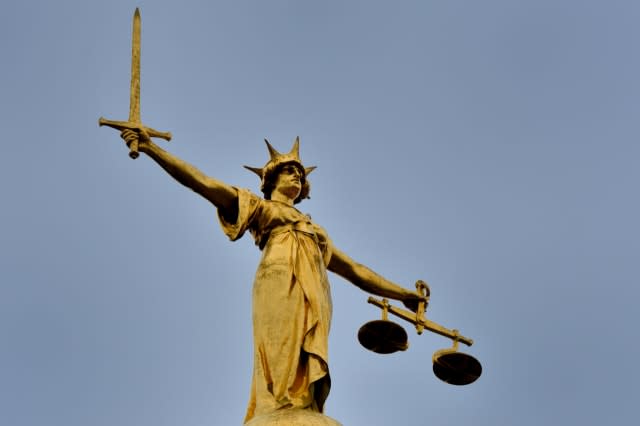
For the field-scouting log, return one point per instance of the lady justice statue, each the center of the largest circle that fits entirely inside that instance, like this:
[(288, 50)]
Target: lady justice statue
[(291, 294)]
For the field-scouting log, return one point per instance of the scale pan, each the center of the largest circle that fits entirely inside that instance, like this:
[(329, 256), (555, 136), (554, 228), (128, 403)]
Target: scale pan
[(383, 337), (456, 368)]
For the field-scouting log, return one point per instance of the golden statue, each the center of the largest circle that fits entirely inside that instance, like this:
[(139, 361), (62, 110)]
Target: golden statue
[(291, 293)]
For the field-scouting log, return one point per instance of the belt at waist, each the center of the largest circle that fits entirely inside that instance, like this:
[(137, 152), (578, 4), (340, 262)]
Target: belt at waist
[(302, 227)]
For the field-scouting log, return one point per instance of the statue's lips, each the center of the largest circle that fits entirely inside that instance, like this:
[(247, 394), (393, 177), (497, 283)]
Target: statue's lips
[(295, 181)]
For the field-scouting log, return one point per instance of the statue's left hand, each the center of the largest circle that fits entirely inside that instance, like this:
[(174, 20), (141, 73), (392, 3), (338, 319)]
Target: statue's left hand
[(413, 299)]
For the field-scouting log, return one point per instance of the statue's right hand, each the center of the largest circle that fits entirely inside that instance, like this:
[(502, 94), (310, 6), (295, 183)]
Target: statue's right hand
[(131, 136)]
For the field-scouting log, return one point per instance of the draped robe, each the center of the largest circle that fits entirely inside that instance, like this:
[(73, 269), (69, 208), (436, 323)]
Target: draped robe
[(291, 305)]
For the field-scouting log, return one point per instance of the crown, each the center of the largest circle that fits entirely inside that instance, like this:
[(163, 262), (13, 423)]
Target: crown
[(277, 159)]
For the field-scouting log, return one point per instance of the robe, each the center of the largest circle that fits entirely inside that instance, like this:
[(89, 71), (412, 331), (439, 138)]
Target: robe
[(291, 305)]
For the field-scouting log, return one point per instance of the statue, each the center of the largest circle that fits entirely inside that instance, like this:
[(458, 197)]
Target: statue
[(291, 293)]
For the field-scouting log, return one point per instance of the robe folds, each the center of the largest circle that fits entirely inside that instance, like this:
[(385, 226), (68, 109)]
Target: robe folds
[(291, 305)]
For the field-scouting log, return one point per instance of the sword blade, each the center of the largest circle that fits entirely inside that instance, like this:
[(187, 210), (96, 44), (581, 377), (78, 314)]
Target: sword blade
[(134, 101)]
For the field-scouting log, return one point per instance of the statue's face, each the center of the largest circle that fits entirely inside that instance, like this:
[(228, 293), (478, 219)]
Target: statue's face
[(289, 181)]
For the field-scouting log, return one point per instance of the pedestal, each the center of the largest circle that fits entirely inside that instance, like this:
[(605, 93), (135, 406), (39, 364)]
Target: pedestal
[(293, 417)]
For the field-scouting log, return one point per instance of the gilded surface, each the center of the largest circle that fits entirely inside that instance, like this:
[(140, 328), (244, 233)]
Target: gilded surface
[(134, 122), (293, 417), (291, 305), (291, 294)]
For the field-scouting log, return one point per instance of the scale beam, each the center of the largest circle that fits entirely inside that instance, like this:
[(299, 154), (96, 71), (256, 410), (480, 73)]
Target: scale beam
[(421, 322)]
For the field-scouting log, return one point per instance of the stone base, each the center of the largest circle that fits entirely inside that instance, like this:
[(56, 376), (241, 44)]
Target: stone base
[(293, 417)]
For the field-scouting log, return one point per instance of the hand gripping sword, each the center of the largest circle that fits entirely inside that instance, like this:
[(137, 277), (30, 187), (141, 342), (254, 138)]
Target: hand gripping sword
[(134, 122)]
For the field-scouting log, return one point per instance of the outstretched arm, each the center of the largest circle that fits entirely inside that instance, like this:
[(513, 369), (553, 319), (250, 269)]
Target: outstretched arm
[(369, 281), (223, 196)]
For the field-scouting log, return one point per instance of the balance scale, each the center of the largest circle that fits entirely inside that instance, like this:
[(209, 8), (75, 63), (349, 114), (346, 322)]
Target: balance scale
[(386, 337)]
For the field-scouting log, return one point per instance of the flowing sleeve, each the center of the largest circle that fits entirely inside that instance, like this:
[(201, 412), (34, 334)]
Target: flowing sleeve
[(248, 207)]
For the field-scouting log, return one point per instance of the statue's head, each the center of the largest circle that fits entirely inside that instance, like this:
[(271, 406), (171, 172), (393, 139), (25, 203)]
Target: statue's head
[(279, 163)]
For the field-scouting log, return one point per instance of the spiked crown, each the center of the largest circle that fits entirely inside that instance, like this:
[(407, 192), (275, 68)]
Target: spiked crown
[(269, 172)]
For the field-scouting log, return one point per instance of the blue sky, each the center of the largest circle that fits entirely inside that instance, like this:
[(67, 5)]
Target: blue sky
[(487, 147)]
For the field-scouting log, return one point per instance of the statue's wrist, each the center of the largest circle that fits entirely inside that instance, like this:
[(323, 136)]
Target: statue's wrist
[(408, 295), (146, 147)]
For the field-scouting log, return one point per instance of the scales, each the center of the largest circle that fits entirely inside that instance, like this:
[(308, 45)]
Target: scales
[(386, 337)]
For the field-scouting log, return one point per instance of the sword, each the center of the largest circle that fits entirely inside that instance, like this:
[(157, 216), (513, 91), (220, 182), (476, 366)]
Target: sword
[(134, 122)]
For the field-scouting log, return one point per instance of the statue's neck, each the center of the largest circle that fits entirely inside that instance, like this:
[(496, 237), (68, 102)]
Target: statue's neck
[(278, 196)]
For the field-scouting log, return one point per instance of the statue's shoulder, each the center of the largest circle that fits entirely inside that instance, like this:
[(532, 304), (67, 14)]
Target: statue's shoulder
[(246, 197)]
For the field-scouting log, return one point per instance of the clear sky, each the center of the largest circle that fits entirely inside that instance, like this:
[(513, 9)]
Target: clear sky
[(489, 147)]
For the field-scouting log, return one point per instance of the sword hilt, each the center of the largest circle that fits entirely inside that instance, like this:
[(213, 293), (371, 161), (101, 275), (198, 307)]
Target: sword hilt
[(133, 150), (122, 125)]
